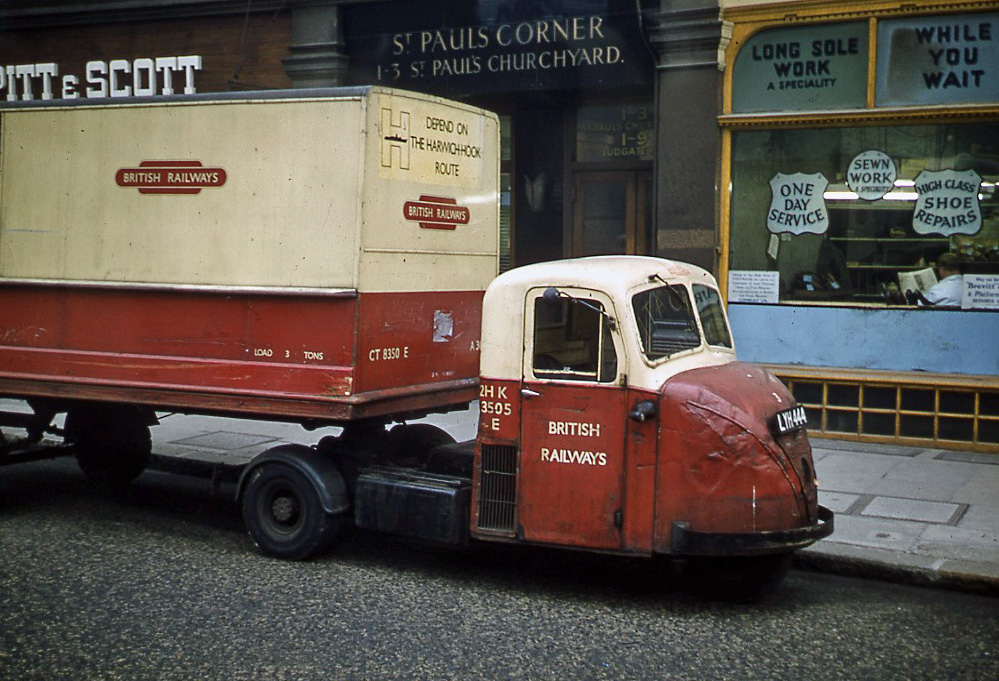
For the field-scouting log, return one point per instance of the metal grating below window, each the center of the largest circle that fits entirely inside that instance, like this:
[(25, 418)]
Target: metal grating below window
[(944, 416), (498, 489)]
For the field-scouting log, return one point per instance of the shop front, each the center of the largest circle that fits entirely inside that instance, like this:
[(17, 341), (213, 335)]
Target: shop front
[(860, 160)]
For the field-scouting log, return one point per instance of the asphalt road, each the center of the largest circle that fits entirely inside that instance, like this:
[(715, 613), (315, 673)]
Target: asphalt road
[(164, 584)]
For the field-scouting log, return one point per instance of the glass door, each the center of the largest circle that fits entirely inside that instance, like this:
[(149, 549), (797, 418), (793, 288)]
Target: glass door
[(611, 213)]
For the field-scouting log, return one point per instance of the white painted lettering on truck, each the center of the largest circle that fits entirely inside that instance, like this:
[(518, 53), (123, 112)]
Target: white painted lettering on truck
[(499, 408), (494, 403), (380, 354), (573, 456), (572, 428), (497, 391)]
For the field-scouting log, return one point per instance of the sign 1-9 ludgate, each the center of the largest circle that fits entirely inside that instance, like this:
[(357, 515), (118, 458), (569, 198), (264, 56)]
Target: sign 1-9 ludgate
[(144, 77)]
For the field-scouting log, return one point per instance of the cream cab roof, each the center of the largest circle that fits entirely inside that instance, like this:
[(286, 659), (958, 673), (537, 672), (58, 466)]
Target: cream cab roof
[(615, 277)]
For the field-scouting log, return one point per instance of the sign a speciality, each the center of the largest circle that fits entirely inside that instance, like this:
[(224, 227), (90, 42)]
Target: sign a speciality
[(144, 77), (795, 69)]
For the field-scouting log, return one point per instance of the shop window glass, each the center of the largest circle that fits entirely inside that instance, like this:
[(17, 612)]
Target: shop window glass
[(988, 404), (841, 421), (917, 399), (954, 402), (956, 429), (802, 69), (862, 214), (506, 193), (814, 417), (988, 431), (876, 423), (879, 397), (807, 393), (844, 395), (916, 426)]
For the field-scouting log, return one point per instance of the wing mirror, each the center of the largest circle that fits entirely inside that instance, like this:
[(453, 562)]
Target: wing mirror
[(553, 295)]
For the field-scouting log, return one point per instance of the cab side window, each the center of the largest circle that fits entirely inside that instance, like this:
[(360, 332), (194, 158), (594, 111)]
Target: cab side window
[(572, 342)]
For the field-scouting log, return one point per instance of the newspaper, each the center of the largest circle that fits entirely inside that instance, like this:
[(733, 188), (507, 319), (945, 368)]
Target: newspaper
[(919, 280)]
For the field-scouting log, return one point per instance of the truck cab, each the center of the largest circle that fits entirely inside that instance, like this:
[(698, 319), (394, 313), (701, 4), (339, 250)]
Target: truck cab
[(616, 417)]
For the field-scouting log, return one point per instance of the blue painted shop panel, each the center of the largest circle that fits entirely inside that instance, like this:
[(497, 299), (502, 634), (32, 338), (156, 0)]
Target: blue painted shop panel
[(944, 341)]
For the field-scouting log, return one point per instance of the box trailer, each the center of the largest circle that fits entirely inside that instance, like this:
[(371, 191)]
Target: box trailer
[(309, 255)]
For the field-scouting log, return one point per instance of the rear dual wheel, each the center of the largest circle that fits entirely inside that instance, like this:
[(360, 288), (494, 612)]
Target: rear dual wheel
[(112, 445)]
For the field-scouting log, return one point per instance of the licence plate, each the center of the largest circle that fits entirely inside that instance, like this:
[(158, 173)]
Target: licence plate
[(790, 420)]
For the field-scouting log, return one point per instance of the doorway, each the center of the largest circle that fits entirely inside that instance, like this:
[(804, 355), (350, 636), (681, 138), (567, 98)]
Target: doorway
[(611, 212)]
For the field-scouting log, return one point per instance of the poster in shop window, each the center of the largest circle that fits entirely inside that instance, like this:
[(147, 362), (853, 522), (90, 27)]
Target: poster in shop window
[(947, 203), (941, 59), (871, 174), (797, 204)]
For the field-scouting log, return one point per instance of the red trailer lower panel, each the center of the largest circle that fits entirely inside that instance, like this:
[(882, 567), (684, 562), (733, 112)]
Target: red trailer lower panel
[(313, 355)]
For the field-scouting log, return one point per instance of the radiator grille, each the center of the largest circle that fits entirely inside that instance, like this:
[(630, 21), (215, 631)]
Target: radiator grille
[(498, 491)]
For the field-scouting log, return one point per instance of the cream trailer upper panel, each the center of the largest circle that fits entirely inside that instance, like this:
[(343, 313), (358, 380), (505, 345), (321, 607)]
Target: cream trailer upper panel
[(237, 193)]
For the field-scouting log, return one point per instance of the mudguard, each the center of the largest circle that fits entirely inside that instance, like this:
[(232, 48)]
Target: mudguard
[(692, 543), (320, 470)]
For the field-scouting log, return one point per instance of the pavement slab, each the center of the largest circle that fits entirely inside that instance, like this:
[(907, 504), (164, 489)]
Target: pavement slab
[(913, 509)]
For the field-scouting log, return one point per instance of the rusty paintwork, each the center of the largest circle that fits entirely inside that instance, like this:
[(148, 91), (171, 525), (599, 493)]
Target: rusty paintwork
[(720, 467), (317, 356)]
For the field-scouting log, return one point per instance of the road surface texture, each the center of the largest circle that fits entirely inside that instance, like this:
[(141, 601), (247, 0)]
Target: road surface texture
[(163, 583)]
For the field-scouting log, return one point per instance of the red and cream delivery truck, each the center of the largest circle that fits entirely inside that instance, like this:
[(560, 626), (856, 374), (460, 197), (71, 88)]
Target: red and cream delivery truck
[(330, 258)]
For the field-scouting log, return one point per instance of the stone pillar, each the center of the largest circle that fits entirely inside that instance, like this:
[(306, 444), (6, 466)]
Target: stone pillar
[(689, 42), (318, 54)]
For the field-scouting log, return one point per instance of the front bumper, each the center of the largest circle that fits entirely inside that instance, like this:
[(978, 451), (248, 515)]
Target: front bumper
[(691, 542)]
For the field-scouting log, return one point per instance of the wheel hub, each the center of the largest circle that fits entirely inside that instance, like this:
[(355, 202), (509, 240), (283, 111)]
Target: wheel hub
[(283, 509)]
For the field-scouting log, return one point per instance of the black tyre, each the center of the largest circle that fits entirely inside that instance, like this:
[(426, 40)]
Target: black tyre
[(113, 446), (411, 443), (738, 578), (283, 514)]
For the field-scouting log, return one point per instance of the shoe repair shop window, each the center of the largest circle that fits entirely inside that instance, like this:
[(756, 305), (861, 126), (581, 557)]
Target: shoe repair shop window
[(861, 214)]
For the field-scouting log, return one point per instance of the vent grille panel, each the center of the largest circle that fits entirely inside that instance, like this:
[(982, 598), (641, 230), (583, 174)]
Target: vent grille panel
[(498, 491)]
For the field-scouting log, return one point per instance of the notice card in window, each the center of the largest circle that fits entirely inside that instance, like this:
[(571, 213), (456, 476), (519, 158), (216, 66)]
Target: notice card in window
[(753, 286)]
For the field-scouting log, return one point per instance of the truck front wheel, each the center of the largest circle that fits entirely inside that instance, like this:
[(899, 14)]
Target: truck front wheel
[(737, 578), (284, 515)]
